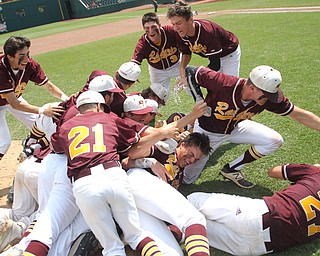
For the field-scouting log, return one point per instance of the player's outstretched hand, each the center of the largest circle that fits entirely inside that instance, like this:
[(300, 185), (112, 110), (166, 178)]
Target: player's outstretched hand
[(54, 112), (169, 130), (199, 109)]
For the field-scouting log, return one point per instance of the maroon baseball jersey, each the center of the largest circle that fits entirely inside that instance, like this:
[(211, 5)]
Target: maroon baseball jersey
[(210, 39), (93, 138), (160, 56), (136, 126), (116, 105), (170, 163), (11, 81), (295, 211), (224, 98)]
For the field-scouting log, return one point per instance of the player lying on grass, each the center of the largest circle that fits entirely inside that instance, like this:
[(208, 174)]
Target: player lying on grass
[(246, 226)]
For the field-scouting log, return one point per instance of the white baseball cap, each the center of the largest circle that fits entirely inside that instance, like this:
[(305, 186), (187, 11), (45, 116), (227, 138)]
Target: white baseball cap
[(90, 97), (136, 105), (268, 80), (130, 71), (154, 105), (162, 92), (103, 83)]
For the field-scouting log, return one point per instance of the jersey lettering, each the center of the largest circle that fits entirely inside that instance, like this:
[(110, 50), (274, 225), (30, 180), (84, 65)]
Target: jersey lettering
[(79, 133), (171, 166), (20, 89), (155, 57), (198, 48), (310, 205), (224, 113)]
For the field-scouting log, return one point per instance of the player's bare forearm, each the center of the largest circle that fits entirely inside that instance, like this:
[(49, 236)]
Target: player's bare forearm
[(306, 118), (20, 105), (142, 148), (55, 91), (276, 172)]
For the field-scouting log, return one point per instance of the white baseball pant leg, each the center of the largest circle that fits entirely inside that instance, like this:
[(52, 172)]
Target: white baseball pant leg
[(25, 200), (161, 200), (59, 209), (234, 223), (62, 245), (164, 76), (103, 195), (230, 64), (160, 233), (27, 118), (264, 139)]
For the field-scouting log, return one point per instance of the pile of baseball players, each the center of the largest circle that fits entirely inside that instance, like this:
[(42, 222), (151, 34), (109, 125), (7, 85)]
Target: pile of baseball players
[(98, 171)]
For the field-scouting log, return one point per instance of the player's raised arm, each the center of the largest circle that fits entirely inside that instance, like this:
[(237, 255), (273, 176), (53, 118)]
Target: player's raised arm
[(142, 148)]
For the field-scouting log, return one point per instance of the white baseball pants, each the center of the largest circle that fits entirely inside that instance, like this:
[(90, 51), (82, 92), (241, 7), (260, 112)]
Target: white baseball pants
[(264, 139), (164, 76), (161, 200), (102, 196), (57, 206), (230, 64), (27, 118), (234, 223)]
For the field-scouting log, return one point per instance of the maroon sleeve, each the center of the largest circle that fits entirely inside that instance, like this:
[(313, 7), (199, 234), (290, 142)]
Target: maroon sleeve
[(127, 136), (139, 52), (37, 76), (10, 82)]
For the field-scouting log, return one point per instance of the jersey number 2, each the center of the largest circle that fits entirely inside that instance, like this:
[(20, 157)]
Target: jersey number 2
[(79, 133), (310, 205)]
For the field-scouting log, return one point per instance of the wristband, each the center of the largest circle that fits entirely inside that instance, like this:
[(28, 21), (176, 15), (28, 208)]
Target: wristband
[(64, 97), (41, 110)]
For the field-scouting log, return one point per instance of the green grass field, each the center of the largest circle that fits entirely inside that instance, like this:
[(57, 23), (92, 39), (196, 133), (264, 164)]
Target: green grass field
[(287, 41)]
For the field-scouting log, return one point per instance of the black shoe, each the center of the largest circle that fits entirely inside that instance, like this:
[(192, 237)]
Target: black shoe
[(236, 176), (85, 245), (10, 194)]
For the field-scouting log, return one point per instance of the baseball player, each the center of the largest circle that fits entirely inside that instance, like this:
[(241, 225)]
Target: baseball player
[(246, 226), (56, 201), (158, 45), (127, 74), (100, 186), (16, 70), (157, 92), (160, 199), (136, 109), (234, 101), (206, 39)]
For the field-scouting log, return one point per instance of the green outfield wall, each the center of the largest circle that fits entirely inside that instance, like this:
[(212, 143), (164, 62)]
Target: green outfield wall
[(21, 14)]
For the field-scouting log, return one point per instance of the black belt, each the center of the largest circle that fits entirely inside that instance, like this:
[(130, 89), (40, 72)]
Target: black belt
[(265, 225), (87, 171)]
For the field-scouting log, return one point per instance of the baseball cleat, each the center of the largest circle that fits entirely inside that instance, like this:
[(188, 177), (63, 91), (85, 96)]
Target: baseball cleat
[(85, 245), (236, 176), (10, 230)]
